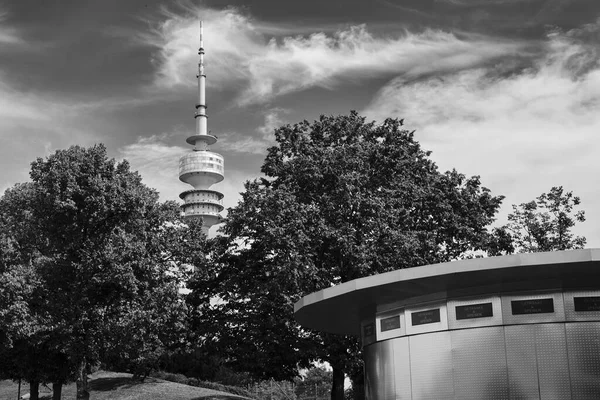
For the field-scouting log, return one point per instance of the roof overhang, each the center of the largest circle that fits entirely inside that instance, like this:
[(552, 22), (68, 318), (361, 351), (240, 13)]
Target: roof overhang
[(341, 308)]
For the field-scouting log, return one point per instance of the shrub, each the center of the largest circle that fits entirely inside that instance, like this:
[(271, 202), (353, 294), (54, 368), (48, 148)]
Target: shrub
[(179, 378)]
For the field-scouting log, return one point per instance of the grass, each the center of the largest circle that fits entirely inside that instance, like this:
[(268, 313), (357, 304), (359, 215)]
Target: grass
[(120, 386)]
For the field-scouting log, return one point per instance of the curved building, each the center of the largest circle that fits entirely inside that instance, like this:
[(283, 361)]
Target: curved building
[(202, 168), (523, 326)]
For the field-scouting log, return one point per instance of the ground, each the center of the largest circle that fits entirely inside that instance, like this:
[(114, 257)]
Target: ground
[(120, 386)]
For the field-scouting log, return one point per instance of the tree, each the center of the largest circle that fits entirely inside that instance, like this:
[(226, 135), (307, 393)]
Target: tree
[(545, 224), (314, 385), (25, 347), (106, 253), (342, 198), (16, 322)]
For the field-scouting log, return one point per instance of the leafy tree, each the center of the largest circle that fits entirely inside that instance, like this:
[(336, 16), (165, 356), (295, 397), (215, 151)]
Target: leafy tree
[(314, 385), (107, 255), (273, 390), (545, 224), (149, 329), (26, 348), (342, 198)]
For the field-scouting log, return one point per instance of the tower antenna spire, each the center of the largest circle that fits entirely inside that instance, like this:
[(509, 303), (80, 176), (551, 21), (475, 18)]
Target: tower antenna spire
[(201, 32), (201, 117)]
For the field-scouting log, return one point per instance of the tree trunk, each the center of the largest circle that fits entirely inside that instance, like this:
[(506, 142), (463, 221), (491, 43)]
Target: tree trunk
[(34, 390), (56, 391), (337, 383), (19, 390), (83, 389), (358, 385)]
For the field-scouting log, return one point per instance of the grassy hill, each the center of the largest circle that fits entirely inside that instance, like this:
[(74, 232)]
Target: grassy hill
[(120, 386)]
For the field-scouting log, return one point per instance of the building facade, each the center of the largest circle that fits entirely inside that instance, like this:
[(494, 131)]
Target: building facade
[(523, 326)]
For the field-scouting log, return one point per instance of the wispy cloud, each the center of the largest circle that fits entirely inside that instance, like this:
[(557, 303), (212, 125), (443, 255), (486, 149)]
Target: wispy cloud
[(34, 123), (475, 3), (273, 120), (33, 126), (255, 143), (25, 110), (523, 130), (8, 34), (243, 53), (560, 88), (157, 162)]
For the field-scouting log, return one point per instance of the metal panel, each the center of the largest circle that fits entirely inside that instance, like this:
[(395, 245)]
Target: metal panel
[(371, 373), (479, 364), (590, 314), (496, 319), (428, 327), (557, 315), (387, 370), (583, 345), (552, 362), (431, 366), (521, 361), (391, 333), (402, 374)]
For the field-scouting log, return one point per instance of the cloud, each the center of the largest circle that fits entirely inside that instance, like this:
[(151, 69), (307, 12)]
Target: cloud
[(8, 35), (242, 143), (34, 125), (157, 161), (273, 120), (524, 130), (550, 9), (229, 38), (30, 123), (479, 3), (255, 144), (244, 54)]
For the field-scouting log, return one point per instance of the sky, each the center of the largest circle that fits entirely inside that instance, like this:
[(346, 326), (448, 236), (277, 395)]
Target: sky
[(505, 89)]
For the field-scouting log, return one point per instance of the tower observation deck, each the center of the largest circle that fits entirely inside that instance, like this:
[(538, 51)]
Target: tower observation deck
[(202, 168)]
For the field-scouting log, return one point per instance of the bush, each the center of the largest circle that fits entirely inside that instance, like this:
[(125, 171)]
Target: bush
[(168, 376), (179, 378), (224, 388)]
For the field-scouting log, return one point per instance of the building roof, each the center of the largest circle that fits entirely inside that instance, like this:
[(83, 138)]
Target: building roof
[(341, 308)]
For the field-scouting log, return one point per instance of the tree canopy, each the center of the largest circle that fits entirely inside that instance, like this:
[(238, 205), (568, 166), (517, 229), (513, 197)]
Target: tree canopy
[(546, 223), (108, 262), (342, 198), (315, 384)]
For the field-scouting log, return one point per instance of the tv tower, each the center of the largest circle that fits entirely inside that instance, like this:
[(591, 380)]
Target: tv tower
[(202, 168)]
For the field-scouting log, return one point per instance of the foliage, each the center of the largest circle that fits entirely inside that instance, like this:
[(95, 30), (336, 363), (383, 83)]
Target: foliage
[(316, 384), (110, 259), (544, 224), (273, 390), (27, 345), (342, 199), (180, 378), (16, 317)]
